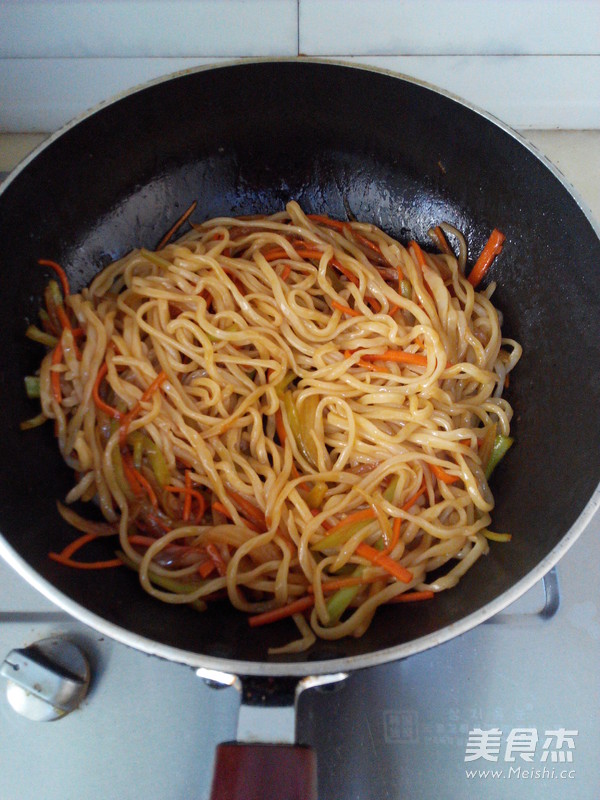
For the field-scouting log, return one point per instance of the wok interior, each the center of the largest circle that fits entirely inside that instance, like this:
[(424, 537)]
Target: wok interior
[(245, 139)]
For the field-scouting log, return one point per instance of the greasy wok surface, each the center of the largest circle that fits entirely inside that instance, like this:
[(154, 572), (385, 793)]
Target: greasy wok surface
[(244, 139)]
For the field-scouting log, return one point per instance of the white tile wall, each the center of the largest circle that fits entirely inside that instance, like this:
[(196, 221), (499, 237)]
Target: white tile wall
[(533, 63)]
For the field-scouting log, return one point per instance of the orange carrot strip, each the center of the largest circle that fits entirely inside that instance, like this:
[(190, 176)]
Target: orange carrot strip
[(367, 242), (379, 559), (327, 526), (76, 545), (177, 225), (112, 412), (280, 427), (66, 325), (136, 480), (442, 475), (322, 219), (250, 511), (67, 562), (488, 254), (217, 506), (374, 304), (399, 356), (412, 500), (442, 241), (345, 310), (217, 559), (192, 493), (357, 516), (206, 568), (187, 503), (419, 255), (410, 597), (62, 275), (341, 268), (398, 520), (295, 607), (57, 355), (286, 272), (127, 418), (372, 367)]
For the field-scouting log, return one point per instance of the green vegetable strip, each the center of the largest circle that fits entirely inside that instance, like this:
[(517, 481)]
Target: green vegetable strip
[(500, 448), (154, 258), (339, 602), (314, 499), (143, 444), (32, 387), (406, 289), (294, 422), (37, 335), (341, 536)]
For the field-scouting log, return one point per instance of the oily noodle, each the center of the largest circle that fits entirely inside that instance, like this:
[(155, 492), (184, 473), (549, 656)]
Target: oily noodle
[(267, 330)]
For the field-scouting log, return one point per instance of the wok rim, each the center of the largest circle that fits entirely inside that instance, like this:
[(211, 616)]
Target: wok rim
[(348, 663)]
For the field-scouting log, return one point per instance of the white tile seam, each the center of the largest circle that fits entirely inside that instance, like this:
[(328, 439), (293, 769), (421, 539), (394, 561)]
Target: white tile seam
[(328, 56)]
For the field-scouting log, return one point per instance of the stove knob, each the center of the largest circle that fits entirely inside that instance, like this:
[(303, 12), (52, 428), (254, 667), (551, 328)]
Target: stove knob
[(46, 680)]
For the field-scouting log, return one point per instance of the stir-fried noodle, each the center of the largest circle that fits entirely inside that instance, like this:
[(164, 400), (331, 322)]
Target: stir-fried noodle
[(290, 411)]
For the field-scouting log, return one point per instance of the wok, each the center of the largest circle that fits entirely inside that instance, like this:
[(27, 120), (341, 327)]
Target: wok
[(244, 139)]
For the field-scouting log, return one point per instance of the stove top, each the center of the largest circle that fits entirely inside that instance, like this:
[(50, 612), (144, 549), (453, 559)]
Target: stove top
[(507, 709)]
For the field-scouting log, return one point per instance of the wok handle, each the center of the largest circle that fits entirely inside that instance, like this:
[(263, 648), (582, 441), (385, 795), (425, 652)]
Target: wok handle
[(264, 772)]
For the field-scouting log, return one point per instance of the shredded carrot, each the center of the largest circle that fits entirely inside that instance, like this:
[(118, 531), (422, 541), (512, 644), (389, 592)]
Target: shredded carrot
[(66, 325), (295, 607), (442, 241), (286, 272), (357, 516), (112, 412), (345, 310), (187, 503), (57, 355), (280, 427), (399, 356), (249, 510), (395, 537), (488, 254), (127, 418), (380, 559), (372, 367), (217, 559), (442, 475), (64, 557), (322, 219), (327, 526), (189, 493), (206, 568), (415, 248), (217, 506), (62, 275), (67, 562), (76, 545), (367, 242), (374, 304), (410, 597), (412, 500), (136, 480), (177, 225), (350, 275)]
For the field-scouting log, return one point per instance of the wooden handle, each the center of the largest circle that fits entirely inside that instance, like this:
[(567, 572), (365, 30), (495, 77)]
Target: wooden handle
[(264, 772)]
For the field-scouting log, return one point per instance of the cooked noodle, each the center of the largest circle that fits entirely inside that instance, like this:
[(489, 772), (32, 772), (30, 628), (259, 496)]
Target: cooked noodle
[(273, 411)]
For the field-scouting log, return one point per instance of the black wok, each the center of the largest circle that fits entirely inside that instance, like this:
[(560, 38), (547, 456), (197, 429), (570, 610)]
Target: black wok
[(244, 139)]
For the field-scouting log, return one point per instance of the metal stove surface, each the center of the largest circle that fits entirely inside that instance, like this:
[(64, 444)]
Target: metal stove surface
[(148, 728)]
